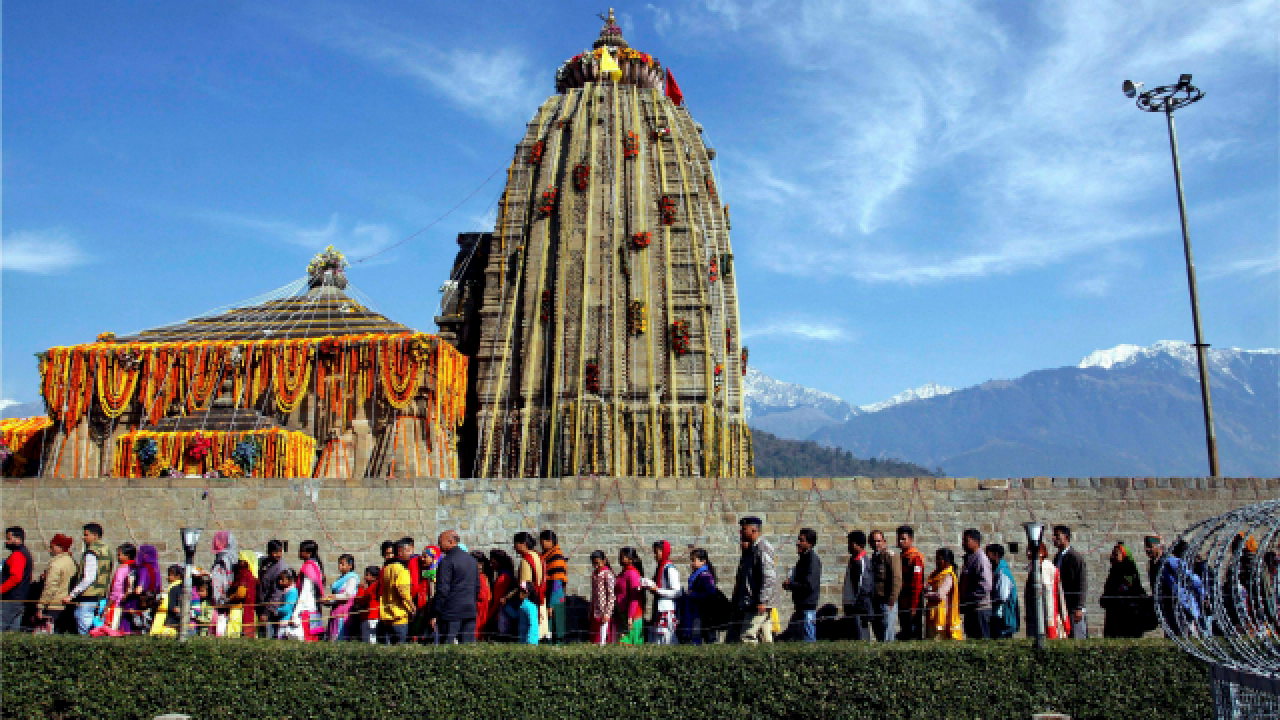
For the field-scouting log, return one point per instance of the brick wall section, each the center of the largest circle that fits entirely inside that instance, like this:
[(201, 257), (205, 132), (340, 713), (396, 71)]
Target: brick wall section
[(601, 513)]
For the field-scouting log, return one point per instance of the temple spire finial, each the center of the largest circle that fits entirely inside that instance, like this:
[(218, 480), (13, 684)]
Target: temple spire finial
[(611, 33)]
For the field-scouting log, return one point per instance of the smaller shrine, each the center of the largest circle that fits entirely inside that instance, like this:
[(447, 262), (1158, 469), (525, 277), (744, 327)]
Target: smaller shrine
[(308, 382)]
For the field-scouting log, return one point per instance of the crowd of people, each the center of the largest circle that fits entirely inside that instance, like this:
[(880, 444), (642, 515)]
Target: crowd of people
[(446, 593)]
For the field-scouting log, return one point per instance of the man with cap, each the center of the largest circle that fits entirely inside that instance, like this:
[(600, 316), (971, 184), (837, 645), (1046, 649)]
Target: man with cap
[(57, 580), (15, 579), (755, 589)]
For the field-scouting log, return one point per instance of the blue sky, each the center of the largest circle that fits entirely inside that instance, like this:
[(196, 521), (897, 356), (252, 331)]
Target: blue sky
[(946, 192)]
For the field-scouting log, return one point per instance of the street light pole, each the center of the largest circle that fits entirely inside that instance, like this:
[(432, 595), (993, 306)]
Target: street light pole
[(1166, 99), (190, 536)]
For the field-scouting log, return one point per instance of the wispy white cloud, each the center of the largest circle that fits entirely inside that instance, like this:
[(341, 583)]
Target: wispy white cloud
[(929, 141), (1245, 268), (354, 239), (809, 329), (41, 252), (494, 84)]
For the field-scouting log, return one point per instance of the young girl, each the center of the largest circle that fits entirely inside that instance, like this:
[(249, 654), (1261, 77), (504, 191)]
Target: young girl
[(201, 605), (1051, 615), (666, 586), (603, 597), (527, 629), (284, 615), (630, 597), (364, 611), (310, 585), (123, 580), (942, 600), (698, 617), (166, 620), (342, 595), (504, 580)]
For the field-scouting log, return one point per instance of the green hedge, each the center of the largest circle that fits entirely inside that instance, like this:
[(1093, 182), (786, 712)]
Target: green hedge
[(71, 677)]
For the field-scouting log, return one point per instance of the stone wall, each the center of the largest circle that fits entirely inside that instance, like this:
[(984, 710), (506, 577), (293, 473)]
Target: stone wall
[(603, 513)]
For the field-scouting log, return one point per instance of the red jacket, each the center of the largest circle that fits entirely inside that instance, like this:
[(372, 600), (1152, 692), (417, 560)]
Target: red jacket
[(912, 595)]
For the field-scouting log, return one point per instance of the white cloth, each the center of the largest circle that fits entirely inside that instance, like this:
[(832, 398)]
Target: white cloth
[(669, 590), (87, 575)]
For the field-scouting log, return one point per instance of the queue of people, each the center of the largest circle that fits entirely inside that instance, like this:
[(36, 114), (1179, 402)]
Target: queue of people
[(449, 594)]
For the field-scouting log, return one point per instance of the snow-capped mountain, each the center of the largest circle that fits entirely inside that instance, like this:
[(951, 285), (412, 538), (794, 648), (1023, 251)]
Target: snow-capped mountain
[(790, 410), (924, 392), (1127, 410)]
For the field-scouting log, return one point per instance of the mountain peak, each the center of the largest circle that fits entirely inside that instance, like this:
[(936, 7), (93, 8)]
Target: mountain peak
[(1123, 355), (923, 392)]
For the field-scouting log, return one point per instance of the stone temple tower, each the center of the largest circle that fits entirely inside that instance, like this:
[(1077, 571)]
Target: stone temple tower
[(601, 315)]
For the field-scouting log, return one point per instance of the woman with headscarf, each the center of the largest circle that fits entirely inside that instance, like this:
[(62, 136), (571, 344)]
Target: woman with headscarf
[(484, 593), (666, 587), (942, 599), (148, 588), (221, 574), (1049, 610), (242, 594), (1122, 596)]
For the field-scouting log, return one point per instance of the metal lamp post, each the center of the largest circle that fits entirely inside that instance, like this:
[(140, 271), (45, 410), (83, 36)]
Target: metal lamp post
[(190, 536), (1166, 99), (1035, 531)]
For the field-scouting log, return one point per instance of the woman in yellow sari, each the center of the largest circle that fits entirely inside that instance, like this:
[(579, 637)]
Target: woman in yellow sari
[(242, 594), (942, 600)]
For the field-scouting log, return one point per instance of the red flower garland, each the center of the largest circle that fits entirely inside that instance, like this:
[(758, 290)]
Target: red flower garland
[(641, 239), (200, 447), (667, 207), (535, 152), (680, 337), (715, 269), (593, 377), (581, 176), (744, 359), (631, 145), (548, 202)]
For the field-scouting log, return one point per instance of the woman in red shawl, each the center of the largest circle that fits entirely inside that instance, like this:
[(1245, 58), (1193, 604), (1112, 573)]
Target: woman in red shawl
[(242, 593), (484, 594)]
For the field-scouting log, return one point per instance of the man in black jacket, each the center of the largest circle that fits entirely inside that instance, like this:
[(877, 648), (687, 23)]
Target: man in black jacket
[(1074, 576), (804, 584), (859, 584), (455, 601)]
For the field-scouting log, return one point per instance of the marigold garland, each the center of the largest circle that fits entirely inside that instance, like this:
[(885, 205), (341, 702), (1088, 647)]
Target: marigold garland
[(16, 432), (285, 453)]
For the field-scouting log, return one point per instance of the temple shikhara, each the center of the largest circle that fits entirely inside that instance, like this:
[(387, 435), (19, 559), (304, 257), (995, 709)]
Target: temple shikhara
[(602, 312), (593, 332)]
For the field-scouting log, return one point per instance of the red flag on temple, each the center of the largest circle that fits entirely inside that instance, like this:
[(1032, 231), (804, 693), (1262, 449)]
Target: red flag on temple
[(673, 90)]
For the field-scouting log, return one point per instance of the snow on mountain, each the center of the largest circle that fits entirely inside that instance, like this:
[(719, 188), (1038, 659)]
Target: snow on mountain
[(763, 394), (1125, 355), (923, 392)]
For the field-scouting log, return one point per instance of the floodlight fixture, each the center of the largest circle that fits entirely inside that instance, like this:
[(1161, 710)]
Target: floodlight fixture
[(1131, 88)]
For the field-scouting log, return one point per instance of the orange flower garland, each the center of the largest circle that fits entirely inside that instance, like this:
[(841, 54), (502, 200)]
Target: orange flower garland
[(117, 379), (399, 368), (285, 453), (204, 370), (293, 369)]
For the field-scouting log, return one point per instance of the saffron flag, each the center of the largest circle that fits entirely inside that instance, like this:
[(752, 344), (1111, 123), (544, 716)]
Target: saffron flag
[(673, 90), (609, 67)]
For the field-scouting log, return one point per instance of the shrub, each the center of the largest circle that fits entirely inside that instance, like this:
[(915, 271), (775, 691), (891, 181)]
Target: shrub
[(72, 677)]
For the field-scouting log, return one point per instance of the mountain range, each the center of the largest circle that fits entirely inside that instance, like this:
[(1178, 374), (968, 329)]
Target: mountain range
[(1125, 411)]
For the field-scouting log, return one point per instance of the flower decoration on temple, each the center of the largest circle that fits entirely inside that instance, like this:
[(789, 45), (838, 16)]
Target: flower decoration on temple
[(719, 369), (247, 453), (330, 259), (200, 447), (146, 451), (710, 183), (661, 132), (328, 349), (547, 204), (106, 337), (593, 377), (744, 359), (630, 145), (728, 339), (637, 318), (667, 207), (229, 469), (546, 307), (714, 269), (536, 152), (641, 240), (581, 176), (680, 337), (5, 455), (420, 349)]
